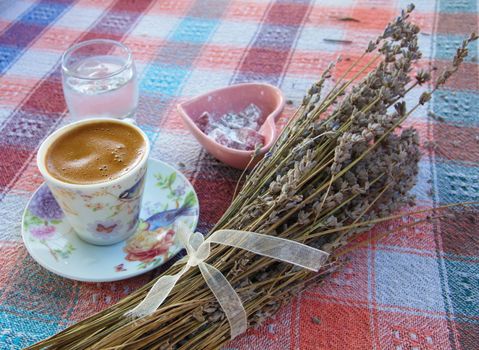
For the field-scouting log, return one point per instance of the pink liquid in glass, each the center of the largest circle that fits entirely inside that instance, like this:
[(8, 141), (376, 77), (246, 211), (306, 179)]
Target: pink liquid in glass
[(106, 88)]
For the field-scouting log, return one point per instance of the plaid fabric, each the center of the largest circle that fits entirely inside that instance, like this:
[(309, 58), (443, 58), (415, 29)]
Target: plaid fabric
[(417, 288)]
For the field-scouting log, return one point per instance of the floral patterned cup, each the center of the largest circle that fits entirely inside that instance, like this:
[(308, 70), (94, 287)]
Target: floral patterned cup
[(103, 213)]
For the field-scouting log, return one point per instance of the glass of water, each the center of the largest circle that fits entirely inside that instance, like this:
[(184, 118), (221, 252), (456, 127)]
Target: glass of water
[(99, 80)]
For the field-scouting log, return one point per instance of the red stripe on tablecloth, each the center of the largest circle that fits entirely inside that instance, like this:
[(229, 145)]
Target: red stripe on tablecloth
[(296, 13), (295, 321), (10, 158), (47, 97), (466, 76), (170, 7), (11, 258), (457, 235), (456, 23), (449, 142), (454, 142), (13, 90), (346, 326), (240, 10)]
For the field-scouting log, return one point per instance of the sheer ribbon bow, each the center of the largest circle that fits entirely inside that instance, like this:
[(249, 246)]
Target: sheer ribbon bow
[(198, 251)]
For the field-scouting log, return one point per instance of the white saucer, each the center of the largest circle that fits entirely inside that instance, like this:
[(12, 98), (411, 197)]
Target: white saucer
[(52, 242)]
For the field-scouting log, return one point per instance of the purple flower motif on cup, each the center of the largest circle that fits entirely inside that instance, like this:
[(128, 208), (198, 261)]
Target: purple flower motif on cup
[(45, 206), (43, 232), (105, 228)]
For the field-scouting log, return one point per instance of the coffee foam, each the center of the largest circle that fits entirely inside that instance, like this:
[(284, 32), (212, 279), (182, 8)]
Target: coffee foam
[(95, 152)]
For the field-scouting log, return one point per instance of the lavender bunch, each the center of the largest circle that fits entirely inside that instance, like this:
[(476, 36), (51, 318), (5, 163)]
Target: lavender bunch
[(342, 163)]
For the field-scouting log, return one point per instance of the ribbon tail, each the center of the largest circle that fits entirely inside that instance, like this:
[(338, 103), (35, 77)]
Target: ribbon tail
[(228, 299), (273, 247), (157, 295)]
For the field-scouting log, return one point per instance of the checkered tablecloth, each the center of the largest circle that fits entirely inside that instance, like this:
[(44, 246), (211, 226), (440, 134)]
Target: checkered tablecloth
[(414, 289)]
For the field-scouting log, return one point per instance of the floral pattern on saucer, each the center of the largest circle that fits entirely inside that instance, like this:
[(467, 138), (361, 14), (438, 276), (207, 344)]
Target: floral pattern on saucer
[(52, 242), (155, 235)]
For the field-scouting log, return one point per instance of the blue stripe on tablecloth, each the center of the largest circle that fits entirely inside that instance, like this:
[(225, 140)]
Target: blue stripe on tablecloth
[(457, 107), (463, 282), (19, 333), (165, 79), (457, 182), (458, 6), (447, 44), (28, 27), (194, 30), (44, 12)]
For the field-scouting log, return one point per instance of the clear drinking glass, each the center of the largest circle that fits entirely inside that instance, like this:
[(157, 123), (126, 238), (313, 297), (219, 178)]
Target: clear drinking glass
[(99, 80)]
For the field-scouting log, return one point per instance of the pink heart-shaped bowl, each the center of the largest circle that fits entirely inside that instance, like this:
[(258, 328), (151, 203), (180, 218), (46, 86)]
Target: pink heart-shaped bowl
[(235, 98)]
